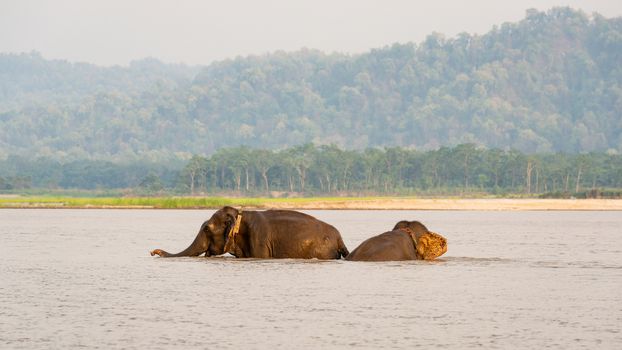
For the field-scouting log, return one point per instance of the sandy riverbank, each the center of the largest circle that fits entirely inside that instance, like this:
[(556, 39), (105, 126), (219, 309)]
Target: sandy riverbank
[(456, 204)]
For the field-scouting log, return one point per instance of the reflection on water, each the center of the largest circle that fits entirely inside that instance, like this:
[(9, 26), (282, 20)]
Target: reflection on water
[(84, 278)]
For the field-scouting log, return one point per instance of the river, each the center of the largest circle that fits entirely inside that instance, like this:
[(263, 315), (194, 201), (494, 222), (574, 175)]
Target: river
[(84, 279)]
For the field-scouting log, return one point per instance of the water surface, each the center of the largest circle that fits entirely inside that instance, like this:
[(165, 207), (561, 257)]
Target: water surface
[(84, 278)]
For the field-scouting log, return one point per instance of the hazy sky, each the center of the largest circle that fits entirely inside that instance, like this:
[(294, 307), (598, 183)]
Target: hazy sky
[(199, 32)]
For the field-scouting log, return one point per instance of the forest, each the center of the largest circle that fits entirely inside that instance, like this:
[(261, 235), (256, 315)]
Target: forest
[(308, 170), (549, 83), (531, 108)]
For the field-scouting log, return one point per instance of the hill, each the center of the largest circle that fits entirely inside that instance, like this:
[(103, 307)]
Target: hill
[(551, 82)]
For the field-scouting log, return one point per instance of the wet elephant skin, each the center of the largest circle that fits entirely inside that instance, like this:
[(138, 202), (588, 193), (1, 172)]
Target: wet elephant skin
[(409, 240), (266, 234)]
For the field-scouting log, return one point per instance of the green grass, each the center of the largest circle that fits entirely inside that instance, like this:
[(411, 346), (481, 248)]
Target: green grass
[(149, 202), (160, 202)]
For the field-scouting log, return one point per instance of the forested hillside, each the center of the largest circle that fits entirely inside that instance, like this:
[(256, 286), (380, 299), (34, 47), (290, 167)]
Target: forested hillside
[(551, 82)]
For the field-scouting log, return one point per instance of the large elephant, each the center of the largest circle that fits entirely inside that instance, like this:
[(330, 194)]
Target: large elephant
[(265, 234), (409, 240)]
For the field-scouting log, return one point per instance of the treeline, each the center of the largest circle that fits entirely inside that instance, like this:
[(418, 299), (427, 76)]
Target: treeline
[(464, 169), (549, 83), (331, 171), (18, 174)]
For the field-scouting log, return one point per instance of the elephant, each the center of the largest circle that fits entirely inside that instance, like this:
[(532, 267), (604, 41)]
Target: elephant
[(264, 234), (409, 240)]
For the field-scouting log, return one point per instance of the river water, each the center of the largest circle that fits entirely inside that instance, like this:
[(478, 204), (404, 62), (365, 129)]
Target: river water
[(84, 279)]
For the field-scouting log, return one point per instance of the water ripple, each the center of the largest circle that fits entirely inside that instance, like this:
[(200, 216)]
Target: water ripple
[(83, 279)]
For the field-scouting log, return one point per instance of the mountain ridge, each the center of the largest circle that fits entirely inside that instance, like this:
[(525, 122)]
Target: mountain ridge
[(549, 83)]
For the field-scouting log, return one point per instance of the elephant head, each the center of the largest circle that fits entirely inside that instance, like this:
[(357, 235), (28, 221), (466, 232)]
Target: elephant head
[(220, 224), (429, 245), (211, 237)]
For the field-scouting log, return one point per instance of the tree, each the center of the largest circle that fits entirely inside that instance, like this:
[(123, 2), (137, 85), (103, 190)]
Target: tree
[(192, 169), (151, 183), (264, 161), (465, 153), (301, 159)]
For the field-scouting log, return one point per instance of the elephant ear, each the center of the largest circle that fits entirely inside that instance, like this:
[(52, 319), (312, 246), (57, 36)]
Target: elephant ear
[(401, 225), (230, 215), (430, 246), (415, 227)]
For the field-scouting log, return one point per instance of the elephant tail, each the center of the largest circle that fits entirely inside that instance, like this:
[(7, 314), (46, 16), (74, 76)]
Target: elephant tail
[(342, 249)]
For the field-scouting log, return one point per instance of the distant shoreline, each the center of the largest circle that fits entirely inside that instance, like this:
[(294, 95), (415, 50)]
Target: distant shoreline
[(332, 203), (501, 204)]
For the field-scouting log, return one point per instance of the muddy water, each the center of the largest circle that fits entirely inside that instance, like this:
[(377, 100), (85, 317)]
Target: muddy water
[(84, 278)]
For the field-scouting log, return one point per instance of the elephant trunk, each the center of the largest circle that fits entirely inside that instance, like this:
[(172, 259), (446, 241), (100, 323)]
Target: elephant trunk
[(198, 246)]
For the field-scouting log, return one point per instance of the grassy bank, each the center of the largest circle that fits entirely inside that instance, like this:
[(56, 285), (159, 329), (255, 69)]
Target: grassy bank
[(161, 202), (333, 203), (125, 202)]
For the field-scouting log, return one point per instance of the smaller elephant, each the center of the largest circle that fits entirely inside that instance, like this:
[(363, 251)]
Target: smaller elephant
[(409, 240)]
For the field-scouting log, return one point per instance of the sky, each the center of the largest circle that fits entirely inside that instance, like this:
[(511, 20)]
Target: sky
[(113, 32)]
